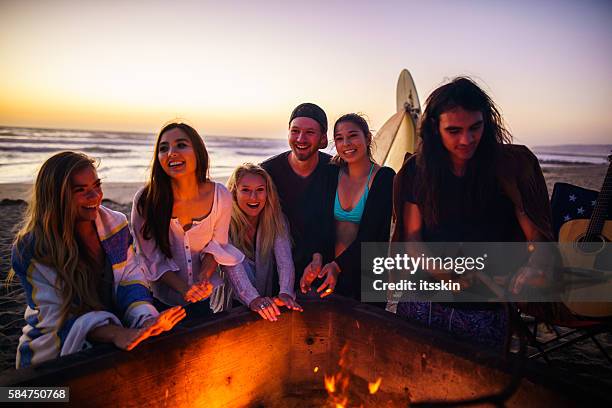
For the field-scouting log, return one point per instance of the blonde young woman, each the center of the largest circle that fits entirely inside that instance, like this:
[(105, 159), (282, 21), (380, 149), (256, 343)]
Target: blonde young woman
[(76, 262), (181, 221), (259, 229)]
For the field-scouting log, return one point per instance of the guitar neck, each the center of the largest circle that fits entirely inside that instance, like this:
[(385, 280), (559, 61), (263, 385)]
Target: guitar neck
[(600, 213)]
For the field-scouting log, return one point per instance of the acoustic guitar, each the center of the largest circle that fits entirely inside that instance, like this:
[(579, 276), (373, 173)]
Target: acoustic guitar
[(587, 255)]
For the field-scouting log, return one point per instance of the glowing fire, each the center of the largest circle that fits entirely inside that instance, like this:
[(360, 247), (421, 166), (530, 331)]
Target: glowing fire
[(373, 386), (337, 385), (330, 383), (316, 369)]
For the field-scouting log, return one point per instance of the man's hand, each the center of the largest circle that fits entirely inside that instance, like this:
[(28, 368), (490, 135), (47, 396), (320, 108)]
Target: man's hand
[(311, 272)]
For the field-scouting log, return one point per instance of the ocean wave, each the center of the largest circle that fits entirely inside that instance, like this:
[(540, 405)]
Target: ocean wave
[(21, 163), (568, 163), (51, 149), (71, 142)]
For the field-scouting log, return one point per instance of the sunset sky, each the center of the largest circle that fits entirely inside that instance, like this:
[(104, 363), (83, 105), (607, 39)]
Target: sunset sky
[(239, 67)]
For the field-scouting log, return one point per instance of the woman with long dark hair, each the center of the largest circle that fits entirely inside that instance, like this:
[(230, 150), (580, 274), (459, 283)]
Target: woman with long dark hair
[(76, 262), (181, 220), (357, 205)]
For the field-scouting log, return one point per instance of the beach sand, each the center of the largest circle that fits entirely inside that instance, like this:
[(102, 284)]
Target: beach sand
[(582, 358)]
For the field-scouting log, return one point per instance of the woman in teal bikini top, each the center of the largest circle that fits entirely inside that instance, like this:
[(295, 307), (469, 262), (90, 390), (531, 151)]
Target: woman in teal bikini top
[(354, 215), (336, 234)]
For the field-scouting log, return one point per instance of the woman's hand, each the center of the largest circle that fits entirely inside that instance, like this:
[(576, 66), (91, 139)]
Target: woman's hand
[(124, 338), (331, 270), (198, 291), (311, 272), (165, 321), (266, 308), (284, 299), (127, 339)]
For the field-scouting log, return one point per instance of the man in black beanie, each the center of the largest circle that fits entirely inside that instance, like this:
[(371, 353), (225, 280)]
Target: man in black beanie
[(294, 171)]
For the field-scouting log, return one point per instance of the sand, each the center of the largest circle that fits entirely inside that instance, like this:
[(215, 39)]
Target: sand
[(583, 358), (587, 176)]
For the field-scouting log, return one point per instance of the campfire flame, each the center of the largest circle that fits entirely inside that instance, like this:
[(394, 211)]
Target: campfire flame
[(373, 386), (337, 385), (330, 383)]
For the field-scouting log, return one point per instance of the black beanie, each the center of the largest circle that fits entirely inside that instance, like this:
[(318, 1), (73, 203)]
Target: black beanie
[(312, 111)]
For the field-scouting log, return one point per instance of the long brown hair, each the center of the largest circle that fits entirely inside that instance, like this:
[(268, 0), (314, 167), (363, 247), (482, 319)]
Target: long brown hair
[(433, 160), (155, 203), (270, 219), (49, 225)]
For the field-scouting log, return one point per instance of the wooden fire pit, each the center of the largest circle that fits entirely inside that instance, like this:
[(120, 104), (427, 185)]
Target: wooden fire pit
[(239, 360)]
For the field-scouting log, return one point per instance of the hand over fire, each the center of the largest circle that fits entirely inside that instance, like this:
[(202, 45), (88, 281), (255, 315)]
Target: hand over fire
[(130, 338), (266, 308), (331, 270), (198, 291), (314, 270), (311, 272), (283, 299)]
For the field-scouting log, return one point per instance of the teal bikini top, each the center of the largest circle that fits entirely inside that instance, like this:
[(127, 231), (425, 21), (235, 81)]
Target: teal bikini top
[(355, 214)]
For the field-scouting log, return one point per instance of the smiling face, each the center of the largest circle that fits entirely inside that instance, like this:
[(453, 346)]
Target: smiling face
[(176, 154), (461, 131), (351, 143), (305, 137), (86, 190), (251, 194)]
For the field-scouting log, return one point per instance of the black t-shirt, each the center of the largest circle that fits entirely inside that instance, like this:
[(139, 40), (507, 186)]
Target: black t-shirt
[(495, 220), (292, 189)]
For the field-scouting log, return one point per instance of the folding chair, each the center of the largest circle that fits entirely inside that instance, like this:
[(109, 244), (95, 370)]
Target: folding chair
[(568, 202)]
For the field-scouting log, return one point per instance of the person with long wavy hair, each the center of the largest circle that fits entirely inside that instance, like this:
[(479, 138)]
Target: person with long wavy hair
[(76, 262), (467, 183), (260, 230), (356, 207), (181, 221)]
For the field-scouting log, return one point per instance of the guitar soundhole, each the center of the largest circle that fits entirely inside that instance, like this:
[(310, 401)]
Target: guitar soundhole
[(591, 244)]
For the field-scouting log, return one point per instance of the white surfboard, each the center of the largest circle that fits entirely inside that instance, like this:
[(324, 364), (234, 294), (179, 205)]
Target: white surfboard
[(398, 135)]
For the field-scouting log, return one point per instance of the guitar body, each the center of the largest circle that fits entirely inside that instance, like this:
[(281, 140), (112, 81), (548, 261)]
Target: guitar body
[(596, 257)]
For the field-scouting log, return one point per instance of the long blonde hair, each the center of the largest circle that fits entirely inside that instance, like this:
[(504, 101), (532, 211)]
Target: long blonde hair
[(49, 226), (271, 223)]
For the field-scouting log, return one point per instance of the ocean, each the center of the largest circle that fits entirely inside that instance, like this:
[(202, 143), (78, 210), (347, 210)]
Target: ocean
[(125, 156)]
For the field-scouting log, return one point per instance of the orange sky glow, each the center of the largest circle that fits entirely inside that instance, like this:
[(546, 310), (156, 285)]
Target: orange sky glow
[(239, 68)]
